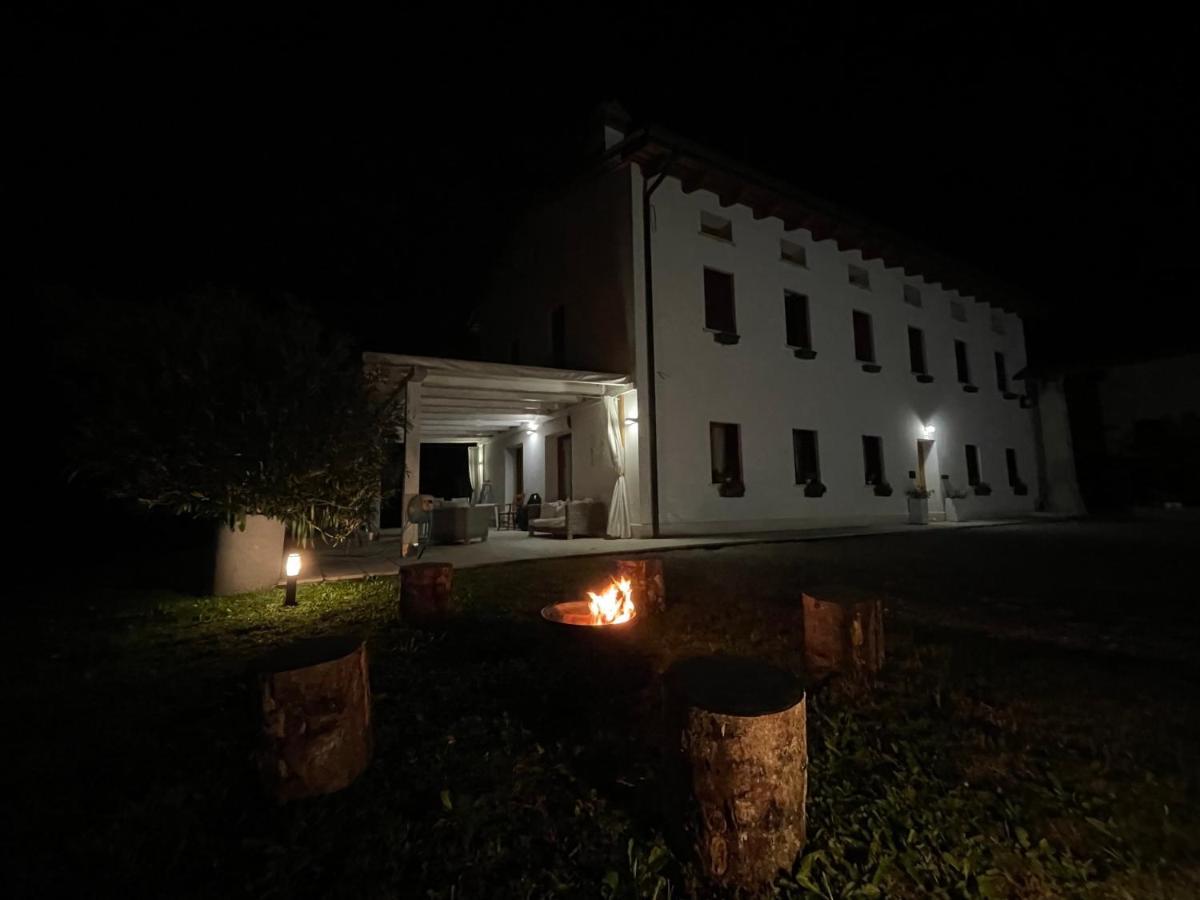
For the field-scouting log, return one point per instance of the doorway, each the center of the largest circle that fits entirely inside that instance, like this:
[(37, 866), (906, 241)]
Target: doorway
[(563, 466), (517, 461), (928, 477)]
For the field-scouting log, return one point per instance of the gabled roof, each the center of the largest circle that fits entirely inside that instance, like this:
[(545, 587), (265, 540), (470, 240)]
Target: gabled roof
[(658, 150)]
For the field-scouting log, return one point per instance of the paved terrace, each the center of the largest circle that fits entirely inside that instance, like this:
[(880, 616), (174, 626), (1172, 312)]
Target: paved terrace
[(383, 557)]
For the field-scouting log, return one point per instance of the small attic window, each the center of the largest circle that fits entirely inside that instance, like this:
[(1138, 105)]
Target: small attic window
[(997, 321), (793, 253), (860, 277), (912, 295), (958, 311), (716, 226)]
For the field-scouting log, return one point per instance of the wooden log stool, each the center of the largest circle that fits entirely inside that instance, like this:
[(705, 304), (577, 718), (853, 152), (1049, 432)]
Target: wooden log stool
[(646, 577), (427, 593), (314, 703), (843, 632), (741, 773)]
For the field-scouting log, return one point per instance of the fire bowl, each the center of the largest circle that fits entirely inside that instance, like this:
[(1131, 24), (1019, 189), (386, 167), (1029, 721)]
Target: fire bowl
[(578, 613)]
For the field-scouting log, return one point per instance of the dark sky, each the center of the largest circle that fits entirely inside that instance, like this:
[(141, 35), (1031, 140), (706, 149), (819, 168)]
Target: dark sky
[(369, 167)]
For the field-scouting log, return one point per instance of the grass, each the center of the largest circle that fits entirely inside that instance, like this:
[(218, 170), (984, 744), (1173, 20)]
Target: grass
[(983, 764)]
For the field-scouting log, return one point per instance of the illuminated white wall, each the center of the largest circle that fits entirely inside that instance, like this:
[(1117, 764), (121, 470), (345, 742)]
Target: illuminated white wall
[(760, 385)]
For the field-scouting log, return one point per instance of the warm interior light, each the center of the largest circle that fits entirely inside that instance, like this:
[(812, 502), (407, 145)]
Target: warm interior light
[(292, 566)]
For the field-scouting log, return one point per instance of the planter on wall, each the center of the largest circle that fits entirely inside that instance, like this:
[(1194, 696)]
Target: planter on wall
[(249, 560), (918, 511), (804, 353)]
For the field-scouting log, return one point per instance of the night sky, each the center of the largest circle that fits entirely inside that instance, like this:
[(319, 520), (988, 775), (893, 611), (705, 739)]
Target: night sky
[(371, 167)]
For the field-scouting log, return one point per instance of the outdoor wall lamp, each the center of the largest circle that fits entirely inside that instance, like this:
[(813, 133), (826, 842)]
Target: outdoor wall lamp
[(928, 430), (291, 568), (631, 420)]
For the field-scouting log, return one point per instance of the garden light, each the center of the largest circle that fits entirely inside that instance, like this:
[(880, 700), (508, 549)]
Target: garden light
[(291, 568)]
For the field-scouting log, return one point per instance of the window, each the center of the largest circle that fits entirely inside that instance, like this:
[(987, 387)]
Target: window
[(558, 336), (1001, 372), (804, 456), (716, 226), (961, 362), (873, 459), (1010, 460), (916, 350), (972, 465), (793, 253), (997, 321), (912, 295), (860, 277), (725, 445), (795, 311), (718, 302), (958, 311), (864, 340)]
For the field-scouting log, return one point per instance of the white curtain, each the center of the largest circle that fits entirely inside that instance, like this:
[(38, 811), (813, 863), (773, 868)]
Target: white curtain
[(473, 470), (618, 509)]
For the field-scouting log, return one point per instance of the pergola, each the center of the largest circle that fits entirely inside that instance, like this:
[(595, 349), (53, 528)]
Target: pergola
[(462, 401)]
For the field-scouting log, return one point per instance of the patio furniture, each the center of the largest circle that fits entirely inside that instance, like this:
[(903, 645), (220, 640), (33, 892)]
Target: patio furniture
[(493, 510), (569, 518), (460, 524), (505, 517)]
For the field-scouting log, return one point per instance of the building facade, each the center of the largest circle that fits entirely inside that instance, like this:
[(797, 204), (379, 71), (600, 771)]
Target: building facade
[(788, 346)]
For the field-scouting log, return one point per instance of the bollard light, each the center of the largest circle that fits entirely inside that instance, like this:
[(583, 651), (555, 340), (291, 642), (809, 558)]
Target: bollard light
[(291, 568)]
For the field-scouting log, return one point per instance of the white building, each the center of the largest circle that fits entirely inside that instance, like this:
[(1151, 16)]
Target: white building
[(789, 342)]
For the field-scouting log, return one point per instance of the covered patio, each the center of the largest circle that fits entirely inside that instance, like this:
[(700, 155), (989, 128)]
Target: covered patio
[(563, 434)]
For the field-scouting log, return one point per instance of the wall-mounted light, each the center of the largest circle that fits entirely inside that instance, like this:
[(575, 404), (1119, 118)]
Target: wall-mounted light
[(291, 568), (631, 420), (928, 430)]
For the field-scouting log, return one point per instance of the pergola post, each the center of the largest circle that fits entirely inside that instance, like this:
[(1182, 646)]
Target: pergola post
[(412, 451)]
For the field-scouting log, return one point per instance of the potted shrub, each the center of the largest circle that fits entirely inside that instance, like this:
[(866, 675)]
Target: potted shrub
[(244, 415), (918, 506), (883, 489), (814, 488)]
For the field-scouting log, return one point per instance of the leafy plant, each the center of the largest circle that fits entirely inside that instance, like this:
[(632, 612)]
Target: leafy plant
[(917, 493), (983, 489), (814, 488), (221, 408), (883, 489)]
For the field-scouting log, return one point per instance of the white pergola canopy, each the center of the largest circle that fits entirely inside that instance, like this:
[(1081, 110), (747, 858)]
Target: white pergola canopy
[(466, 401)]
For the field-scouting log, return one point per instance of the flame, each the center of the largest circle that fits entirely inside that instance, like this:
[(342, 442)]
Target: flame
[(615, 605)]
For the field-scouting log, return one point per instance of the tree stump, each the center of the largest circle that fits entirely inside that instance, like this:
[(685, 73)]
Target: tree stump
[(843, 632), (427, 592), (314, 700), (742, 765), (649, 588)]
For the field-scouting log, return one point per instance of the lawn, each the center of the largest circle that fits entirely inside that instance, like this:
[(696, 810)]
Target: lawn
[(1034, 733)]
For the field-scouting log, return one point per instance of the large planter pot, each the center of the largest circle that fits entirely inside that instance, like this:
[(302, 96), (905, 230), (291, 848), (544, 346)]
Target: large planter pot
[(963, 509), (250, 560), (918, 511)]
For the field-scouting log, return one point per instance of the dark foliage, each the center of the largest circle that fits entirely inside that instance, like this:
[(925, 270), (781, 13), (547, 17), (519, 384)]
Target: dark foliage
[(220, 407)]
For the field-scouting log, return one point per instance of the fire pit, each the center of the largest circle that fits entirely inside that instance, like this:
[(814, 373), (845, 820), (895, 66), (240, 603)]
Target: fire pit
[(612, 608)]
